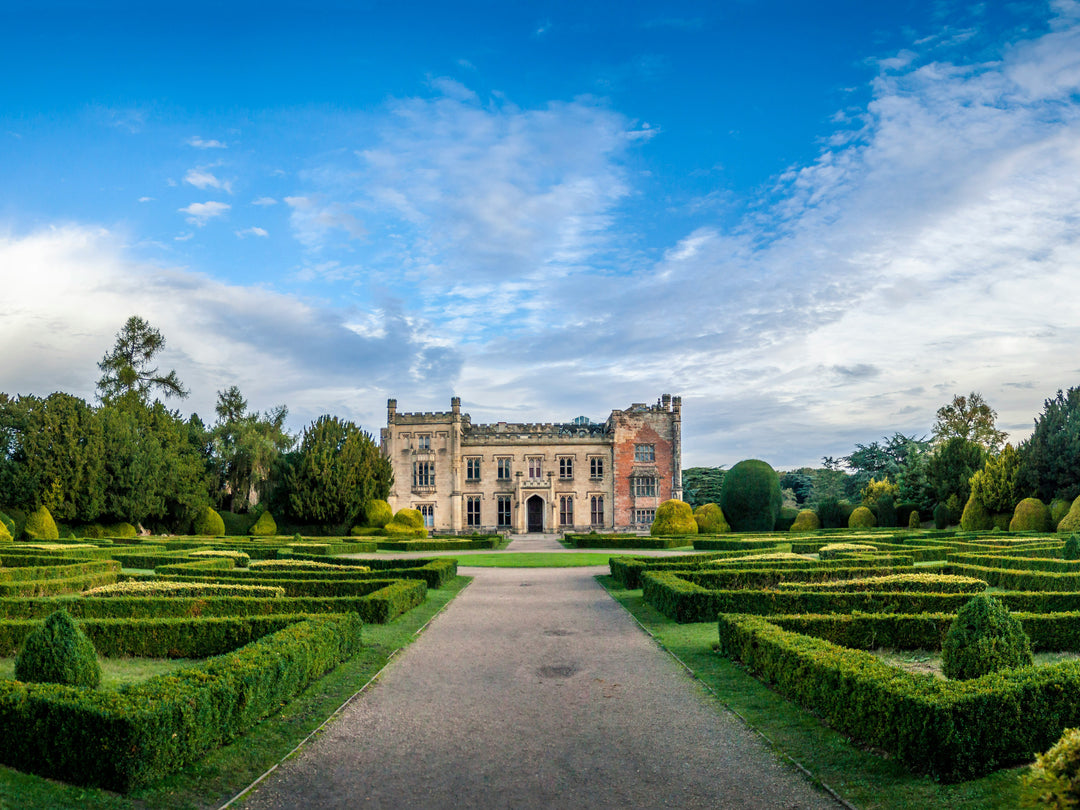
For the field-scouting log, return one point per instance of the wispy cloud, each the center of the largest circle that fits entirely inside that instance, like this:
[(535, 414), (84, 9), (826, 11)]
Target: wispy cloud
[(201, 177), (200, 143), (264, 201), (313, 220), (200, 213), (252, 231)]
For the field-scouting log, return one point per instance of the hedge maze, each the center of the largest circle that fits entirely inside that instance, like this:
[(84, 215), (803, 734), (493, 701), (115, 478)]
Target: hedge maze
[(806, 616), (262, 617)]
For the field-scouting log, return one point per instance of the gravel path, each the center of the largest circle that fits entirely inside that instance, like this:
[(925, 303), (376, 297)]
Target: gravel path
[(535, 689)]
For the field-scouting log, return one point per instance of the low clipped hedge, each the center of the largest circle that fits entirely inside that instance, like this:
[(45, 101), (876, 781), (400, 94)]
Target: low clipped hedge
[(907, 583), (384, 599), (433, 544), (627, 541), (953, 730), (188, 637), (1018, 580), (121, 740), (1016, 562), (729, 543), (627, 570)]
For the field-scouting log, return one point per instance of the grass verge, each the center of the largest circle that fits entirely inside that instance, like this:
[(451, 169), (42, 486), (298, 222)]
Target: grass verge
[(117, 672), (533, 559), (225, 772), (866, 780)]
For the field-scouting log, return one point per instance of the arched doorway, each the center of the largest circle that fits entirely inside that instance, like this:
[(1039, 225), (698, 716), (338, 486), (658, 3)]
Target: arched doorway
[(534, 514)]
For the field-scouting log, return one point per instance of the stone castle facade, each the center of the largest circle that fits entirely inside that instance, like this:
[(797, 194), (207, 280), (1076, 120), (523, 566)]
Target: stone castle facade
[(549, 477)]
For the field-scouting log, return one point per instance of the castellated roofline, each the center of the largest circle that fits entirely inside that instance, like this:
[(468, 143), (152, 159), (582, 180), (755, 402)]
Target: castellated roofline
[(666, 404)]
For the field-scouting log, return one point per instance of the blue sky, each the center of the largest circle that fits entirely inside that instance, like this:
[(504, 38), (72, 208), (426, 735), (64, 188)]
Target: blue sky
[(815, 222)]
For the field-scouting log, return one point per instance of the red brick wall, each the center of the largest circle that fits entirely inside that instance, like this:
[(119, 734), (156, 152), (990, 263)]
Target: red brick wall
[(641, 427)]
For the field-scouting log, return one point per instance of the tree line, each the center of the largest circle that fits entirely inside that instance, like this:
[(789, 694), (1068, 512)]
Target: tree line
[(965, 452), (127, 457)]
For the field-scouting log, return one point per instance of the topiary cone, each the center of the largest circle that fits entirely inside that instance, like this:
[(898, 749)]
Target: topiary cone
[(58, 652)]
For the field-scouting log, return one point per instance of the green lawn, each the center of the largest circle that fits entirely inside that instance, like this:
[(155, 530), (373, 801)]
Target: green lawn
[(867, 780), (225, 772), (535, 559), (117, 672)]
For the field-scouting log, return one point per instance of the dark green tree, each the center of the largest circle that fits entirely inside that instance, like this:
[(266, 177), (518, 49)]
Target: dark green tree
[(338, 470), (127, 371), (247, 446), (1050, 459), (950, 467), (800, 483), (702, 485)]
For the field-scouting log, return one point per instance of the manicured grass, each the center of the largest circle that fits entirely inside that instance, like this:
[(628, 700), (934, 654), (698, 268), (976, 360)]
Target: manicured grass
[(223, 773), (117, 672), (534, 559), (867, 780)]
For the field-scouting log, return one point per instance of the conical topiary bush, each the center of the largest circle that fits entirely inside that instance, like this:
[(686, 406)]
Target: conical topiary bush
[(984, 637), (58, 652)]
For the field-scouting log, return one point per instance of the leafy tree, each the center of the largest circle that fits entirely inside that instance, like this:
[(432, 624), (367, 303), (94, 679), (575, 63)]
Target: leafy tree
[(247, 446), (969, 418), (950, 467), (828, 483), (338, 471), (50, 455), (800, 483), (701, 485), (127, 371), (1050, 459), (884, 459), (997, 484)]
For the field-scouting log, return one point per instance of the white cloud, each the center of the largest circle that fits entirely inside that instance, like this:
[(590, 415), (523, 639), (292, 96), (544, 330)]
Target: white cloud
[(146, 199), (264, 201), (253, 231), (202, 178), (184, 237), (199, 143), (313, 220), (199, 213), (76, 286)]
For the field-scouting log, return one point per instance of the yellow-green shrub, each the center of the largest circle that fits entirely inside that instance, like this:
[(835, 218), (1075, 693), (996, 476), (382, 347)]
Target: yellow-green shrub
[(122, 530), (209, 524), (975, 518), (407, 522), (1054, 780), (41, 526), (264, 526), (378, 513), (673, 518), (1071, 522), (914, 520), (1031, 515), (5, 535), (710, 519), (861, 518), (806, 521), (1059, 508), (984, 638)]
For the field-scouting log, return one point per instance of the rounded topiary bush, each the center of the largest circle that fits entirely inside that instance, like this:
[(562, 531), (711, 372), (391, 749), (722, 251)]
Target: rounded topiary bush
[(914, 520), (1071, 522), (975, 517), (1059, 508), (1072, 548), (806, 521), (861, 518), (121, 530), (41, 526), (407, 522), (265, 526), (378, 513), (5, 535), (1054, 779), (673, 519), (58, 652), (1030, 515), (984, 637), (208, 523), (9, 522), (710, 519), (750, 496)]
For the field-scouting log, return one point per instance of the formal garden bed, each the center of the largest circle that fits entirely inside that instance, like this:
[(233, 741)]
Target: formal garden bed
[(835, 627), (196, 649)]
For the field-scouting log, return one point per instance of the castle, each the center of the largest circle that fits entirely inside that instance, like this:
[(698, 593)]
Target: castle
[(549, 477)]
